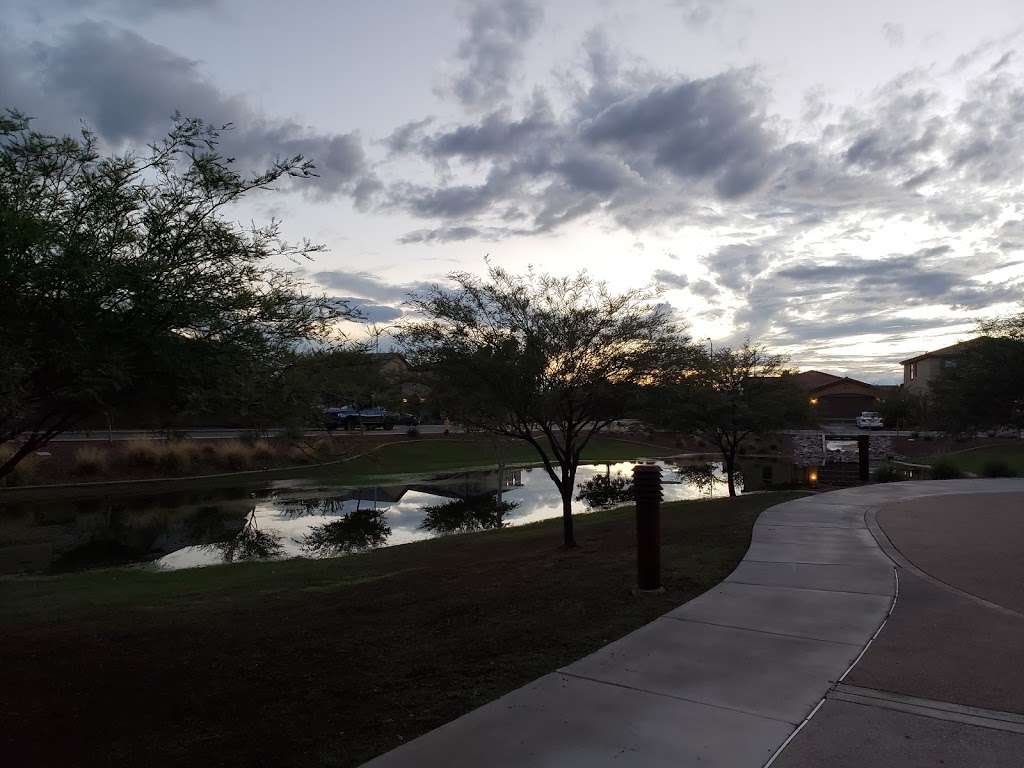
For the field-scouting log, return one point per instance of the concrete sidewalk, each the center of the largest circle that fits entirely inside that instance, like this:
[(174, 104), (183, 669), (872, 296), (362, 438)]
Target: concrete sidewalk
[(724, 680)]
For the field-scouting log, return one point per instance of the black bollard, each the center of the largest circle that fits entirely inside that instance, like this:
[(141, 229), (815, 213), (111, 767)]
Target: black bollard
[(864, 457), (647, 492)]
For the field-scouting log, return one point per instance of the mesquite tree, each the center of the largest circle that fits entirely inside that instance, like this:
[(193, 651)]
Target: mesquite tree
[(548, 360), (124, 269), (730, 395)]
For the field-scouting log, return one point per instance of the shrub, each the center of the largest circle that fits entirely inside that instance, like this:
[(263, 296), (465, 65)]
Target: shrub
[(928, 436), (142, 453), (249, 436), (233, 454), (944, 469), (294, 432), (263, 451), (175, 455), (25, 472), (412, 432), (887, 473), (997, 468), (89, 460), (299, 454)]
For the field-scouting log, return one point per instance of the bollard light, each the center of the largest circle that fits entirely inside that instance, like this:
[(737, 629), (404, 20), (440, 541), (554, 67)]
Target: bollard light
[(647, 492)]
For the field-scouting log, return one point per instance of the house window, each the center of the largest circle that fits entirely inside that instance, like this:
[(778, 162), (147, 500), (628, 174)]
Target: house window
[(949, 363), (913, 371)]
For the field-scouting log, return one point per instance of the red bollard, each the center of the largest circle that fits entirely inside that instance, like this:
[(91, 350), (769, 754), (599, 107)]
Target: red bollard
[(647, 492)]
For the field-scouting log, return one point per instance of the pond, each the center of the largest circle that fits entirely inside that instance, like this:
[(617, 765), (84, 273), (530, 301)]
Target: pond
[(305, 518)]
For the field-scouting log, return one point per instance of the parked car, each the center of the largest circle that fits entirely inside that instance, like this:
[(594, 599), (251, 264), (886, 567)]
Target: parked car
[(351, 417), (870, 420), (406, 419)]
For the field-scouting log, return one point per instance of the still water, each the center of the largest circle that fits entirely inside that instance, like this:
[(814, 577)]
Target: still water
[(299, 518)]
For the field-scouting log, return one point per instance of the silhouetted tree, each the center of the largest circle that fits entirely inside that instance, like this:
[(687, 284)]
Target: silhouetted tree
[(985, 387), (730, 395), (116, 270), (548, 360)]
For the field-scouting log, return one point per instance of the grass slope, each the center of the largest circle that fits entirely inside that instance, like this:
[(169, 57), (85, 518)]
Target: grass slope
[(973, 461), (328, 662), (441, 455)]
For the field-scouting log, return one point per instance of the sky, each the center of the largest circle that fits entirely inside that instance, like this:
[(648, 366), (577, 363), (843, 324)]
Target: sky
[(839, 181)]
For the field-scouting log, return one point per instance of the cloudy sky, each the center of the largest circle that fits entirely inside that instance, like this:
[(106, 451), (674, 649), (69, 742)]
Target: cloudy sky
[(841, 181)]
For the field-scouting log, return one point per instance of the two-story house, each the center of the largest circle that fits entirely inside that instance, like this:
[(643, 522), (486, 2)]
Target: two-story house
[(920, 371)]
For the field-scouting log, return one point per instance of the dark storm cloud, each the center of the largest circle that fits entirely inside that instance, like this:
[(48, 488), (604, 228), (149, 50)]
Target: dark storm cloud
[(820, 300), (923, 278), (496, 134), (645, 150), (126, 88), (369, 312), (448, 235), (138, 9), (705, 289), (913, 135), (492, 51), (670, 279), (367, 286), (736, 265), (898, 132), (803, 331), (712, 128), (638, 149)]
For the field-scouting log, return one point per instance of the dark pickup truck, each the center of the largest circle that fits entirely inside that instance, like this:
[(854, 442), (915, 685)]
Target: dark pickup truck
[(350, 417)]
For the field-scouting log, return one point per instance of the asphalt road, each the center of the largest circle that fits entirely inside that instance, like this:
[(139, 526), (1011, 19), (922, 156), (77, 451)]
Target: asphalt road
[(942, 684)]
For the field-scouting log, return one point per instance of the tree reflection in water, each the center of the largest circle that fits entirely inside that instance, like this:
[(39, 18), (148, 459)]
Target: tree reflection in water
[(705, 477), (250, 543), (355, 531), (603, 491), (473, 513)]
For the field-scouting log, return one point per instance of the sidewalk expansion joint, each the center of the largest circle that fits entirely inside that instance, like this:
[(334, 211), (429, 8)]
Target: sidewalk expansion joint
[(662, 694), (815, 524), (763, 631), (809, 589), (807, 562)]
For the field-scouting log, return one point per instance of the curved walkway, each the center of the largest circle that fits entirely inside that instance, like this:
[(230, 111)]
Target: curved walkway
[(731, 678)]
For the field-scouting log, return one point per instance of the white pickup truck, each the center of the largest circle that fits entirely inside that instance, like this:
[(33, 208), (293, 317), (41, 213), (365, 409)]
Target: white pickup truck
[(870, 420)]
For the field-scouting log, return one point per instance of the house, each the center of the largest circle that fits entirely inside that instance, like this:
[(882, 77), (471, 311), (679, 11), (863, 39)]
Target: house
[(920, 371), (837, 397), (394, 370)]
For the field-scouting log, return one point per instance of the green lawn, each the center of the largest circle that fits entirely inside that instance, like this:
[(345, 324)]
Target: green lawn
[(393, 458), (329, 662), (440, 455), (973, 461)]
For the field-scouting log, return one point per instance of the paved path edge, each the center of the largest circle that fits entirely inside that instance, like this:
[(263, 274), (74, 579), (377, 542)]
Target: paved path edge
[(726, 679)]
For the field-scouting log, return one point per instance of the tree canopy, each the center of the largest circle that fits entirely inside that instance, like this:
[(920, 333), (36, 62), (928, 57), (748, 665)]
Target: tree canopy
[(117, 270), (984, 388), (548, 360), (729, 395)]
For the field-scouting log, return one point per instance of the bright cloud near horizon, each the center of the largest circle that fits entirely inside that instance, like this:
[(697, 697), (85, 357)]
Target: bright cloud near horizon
[(839, 181)]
